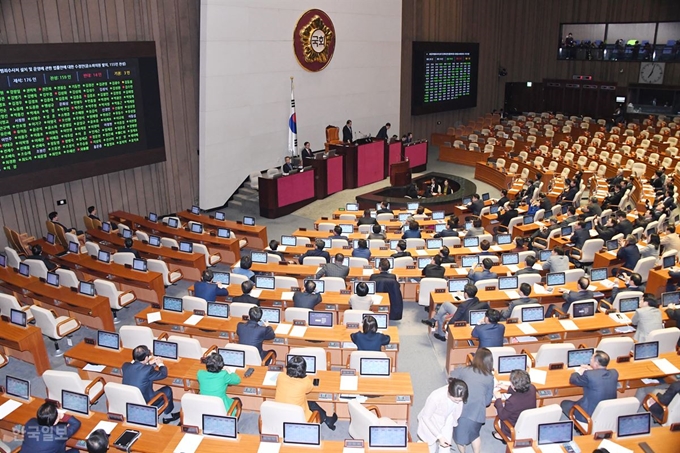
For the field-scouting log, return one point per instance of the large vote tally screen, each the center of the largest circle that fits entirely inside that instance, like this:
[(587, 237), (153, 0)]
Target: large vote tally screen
[(51, 114)]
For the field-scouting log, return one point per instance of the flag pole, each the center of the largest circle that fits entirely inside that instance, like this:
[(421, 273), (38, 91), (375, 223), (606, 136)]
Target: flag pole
[(292, 123)]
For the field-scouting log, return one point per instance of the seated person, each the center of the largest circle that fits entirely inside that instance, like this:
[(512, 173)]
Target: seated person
[(528, 268), (384, 274), (92, 213), (508, 214), (485, 273), (522, 397), (580, 235), (287, 166), (254, 331), (384, 208), (489, 332), (317, 251), (362, 251), (334, 269), (207, 290), (36, 254), (293, 386), (665, 394), (369, 339), (434, 269), (570, 297), (401, 250), (307, 298), (524, 292), (246, 288), (647, 318), (520, 245), (413, 231), (49, 431), (142, 372), (337, 233), (476, 230), (484, 246), (244, 267), (599, 384), (629, 252), (54, 218), (128, 248), (557, 262), (366, 219), (412, 191), (214, 380), (97, 442), (633, 283), (476, 205), (361, 300), (449, 231), (376, 232), (273, 249), (459, 313), (445, 253)]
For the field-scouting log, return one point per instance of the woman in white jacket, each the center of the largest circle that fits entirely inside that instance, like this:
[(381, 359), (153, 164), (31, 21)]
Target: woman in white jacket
[(439, 416)]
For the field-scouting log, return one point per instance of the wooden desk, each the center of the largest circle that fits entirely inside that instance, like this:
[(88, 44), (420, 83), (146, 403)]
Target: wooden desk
[(25, 343), (492, 176), (256, 234), (228, 249), (661, 440), (463, 156), (657, 281), (215, 331), (147, 286), (360, 213), (192, 265), (394, 395)]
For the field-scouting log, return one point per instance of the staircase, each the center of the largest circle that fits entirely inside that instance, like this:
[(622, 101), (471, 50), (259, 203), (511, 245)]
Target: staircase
[(246, 200)]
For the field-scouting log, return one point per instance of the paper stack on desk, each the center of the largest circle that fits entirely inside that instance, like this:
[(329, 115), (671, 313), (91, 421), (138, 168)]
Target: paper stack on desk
[(526, 328), (287, 295), (349, 383), (298, 331), (256, 293), (282, 329)]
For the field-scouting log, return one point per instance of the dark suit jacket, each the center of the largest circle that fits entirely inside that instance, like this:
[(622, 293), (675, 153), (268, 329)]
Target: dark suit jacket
[(303, 299), (411, 234), (333, 270), (625, 227), (247, 298), (384, 211), (346, 134), (489, 335), (527, 270), (476, 276), (49, 264), (127, 250), (367, 221), (143, 376), (605, 233), (504, 219), (382, 276), (400, 254), (393, 289), (575, 296), (580, 237), (253, 334), (382, 133), (445, 233), (433, 271), (517, 302), (316, 252), (465, 307), (630, 255), (286, 168), (209, 291), (372, 341), (48, 439), (476, 207), (665, 398), (598, 385), (515, 405), (307, 153)]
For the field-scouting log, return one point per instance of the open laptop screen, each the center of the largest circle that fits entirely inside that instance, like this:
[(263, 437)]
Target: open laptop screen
[(647, 350), (104, 256), (224, 233), (320, 319), (73, 247), (507, 283), (221, 277), (219, 215), (165, 349), (476, 317), (457, 284), (139, 265), (371, 286), (86, 288), (288, 241), (578, 357), (374, 366), (216, 310), (629, 304), (555, 278), (172, 304), (187, 247), (380, 318), (672, 297), (272, 315), (668, 261), (471, 242), (264, 282), (301, 433), (17, 317), (469, 260), (221, 426), (18, 388), (634, 425), (155, 241), (503, 239), (555, 433), (510, 259), (532, 314), (387, 437), (259, 257), (583, 309), (233, 357), (351, 207), (75, 402), (507, 363), (109, 340), (544, 255), (138, 414), (598, 274), (196, 228), (310, 360)]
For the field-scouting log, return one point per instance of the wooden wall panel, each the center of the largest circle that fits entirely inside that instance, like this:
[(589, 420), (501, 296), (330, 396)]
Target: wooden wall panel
[(164, 187), (522, 36)]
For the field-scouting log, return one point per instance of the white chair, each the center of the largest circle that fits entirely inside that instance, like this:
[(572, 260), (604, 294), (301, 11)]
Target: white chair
[(354, 360), (255, 180), (187, 347), (403, 261), (133, 336), (513, 168), (272, 258), (357, 262), (667, 338), (517, 310), (644, 266), (321, 356), (530, 279), (586, 255), (671, 413), (54, 327), (141, 236), (384, 217), (296, 314), (210, 260), (238, 310), (168, 243), (92, 248), (428, 285), (605, 416), (616, 347), (36, 268), (375, 243), (334, 284), (449, 241), (195, 406), (326, 226), (123, 258), (9, 303), (572, 275), (117, 299), (169, 277), (513, 223), (339, 243), (354, 316), (252, 355), (56, 381), (412, 243), (287, 283), (314, 261), (118, 395), (67, 278), (626, 295), (361, 418), (237, 279), (488, 283), (528, 421), (273, 415), (551, 353), (191, 303), (500, 351)]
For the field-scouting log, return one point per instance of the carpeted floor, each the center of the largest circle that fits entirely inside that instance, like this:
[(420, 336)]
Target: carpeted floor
[(420, 355)]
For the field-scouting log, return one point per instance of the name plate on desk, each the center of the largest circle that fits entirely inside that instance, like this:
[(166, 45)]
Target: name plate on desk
[(459, 324), (348, 372), (331, 307), (271, 438), (177, 328), (224, 334), (410, 267), (278, 341), (177, 381), (390, 347), (90, 341), (299, 322), (326, 396), (345, 291), (116, 371), (249, 391), (115, 417), (277, 303), (275, 368), (512, 321), (403, 399), (333, 344), (354, 443), (383, 309), (352, 325), (384, 248)]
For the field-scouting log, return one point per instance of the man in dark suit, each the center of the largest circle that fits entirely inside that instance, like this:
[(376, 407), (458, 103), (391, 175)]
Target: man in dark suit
[(49, 431), (97, 441), (54, 218), (307, 298), (384, 209), (608, 231), (337, 233), (318, 251), (476, 205), (246, 288), (367, 219), (434, 269), (524, 291), (334, 269), (449, 231), (273, 249), (593, 207), (347, 132), (580, 235), (382, 133), (142, 372), (624, 226), (92, 213), (599, 384), (384, 274), (36, 254), (476, 275), (507, 215), (128, 248), (287, 166), (529, 262), (253, 332), (401, 250), (489, 332), (445, 253), (413, 230), (459, 313), (629, 253), (572, 296), (207, 290), (307, 152)]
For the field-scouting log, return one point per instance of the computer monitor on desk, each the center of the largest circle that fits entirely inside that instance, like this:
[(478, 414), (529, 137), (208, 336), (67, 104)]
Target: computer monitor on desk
[(507, 363), (647, 350), (220, 426), (583, 309), (634, 425)]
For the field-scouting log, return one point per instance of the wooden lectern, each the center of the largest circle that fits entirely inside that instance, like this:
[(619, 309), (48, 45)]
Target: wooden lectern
[(332, 137), (400, 174)]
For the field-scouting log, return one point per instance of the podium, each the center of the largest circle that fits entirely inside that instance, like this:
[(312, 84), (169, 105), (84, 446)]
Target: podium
[(328, 175), (364, 162), (282, 195), (400, 174)]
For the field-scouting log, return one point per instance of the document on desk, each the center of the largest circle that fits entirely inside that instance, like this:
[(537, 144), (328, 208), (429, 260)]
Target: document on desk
[(526, 328), (376, 299), (538, 376), (611, 253), (281, 248), (461, 270), (523, 450), (8, 407), (298, 331), (105, 425), (270, 378), (512, 268), (512, 294), (474, 249), (607, 283), (665, 366), (367, 272), (94, 368), (153, 317), (422, 252), (269, 447), (612, 447), (539, 289), (496, 248), (256, 293), (189, 443), (287, 295), (282, 329), (568, 324), (349, 383), (193, 320), (550, 448)]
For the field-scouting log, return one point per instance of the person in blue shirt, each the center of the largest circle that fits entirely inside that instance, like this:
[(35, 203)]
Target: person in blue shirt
[(49, 431), (490, 333), (362, 251), (207, 290), (413, 230), (244, 267), (369, 339)]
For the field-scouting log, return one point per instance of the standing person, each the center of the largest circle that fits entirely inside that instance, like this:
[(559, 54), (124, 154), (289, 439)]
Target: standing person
[(347, 132), (307, 152), (598, 384), (49, 431), (293, 386), (479, 379), (522, 397), (440, 415), (369, 339), (214, 380), (254, 331), (382, 133)]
